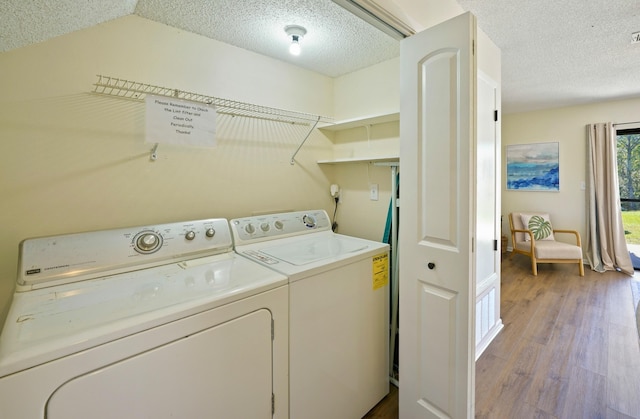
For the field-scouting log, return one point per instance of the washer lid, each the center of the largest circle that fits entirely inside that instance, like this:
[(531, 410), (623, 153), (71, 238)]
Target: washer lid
[(314, 249), (49, 323)]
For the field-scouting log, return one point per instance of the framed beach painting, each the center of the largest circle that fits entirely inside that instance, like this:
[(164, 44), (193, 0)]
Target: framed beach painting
[(533, 167)]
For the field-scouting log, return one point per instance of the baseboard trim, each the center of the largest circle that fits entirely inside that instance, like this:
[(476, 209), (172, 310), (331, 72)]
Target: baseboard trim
[(484, 343)]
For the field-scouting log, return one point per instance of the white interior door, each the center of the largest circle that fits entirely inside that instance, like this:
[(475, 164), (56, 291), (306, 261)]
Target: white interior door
[(487, 270), (487, 228), (437, 286)]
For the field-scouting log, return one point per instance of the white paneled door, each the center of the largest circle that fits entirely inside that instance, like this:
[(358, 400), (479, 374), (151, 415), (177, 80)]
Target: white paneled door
[(487, 206), (437, 285)]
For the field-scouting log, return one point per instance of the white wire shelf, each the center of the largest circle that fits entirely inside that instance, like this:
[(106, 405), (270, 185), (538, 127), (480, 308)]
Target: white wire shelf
[(127, 89), (113, 86)]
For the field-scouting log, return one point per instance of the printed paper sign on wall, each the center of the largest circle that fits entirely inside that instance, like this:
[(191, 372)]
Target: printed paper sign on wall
[(175, 121)]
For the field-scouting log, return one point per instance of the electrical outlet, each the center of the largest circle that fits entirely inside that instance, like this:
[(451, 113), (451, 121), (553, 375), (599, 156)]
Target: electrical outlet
[(373, 192), (335, 191)]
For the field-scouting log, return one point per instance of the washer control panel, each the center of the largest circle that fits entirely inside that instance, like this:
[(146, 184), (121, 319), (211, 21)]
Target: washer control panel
[(262, 227), (53, 260)]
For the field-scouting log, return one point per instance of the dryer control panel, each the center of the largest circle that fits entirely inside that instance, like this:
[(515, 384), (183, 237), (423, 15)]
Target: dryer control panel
[(268, 227), (47, 261)]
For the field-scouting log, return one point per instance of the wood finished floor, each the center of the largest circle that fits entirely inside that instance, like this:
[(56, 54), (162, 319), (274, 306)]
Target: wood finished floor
[(569, 348)]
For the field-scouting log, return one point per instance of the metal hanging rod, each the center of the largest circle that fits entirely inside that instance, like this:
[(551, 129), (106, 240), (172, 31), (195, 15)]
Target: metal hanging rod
[(627, 123), (113, 86)]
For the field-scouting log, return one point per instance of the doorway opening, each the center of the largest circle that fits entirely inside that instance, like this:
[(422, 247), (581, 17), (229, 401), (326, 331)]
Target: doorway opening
[(628, 153)]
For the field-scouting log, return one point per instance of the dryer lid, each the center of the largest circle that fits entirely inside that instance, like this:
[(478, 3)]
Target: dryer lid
[(314, 249)]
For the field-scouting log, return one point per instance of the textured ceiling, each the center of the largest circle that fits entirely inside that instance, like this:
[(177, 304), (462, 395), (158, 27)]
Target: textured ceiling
[(554, 52), (24, 22), (562, 52), (337, 42)]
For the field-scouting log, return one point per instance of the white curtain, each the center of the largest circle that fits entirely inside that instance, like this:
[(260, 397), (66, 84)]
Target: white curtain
[(606, 247)]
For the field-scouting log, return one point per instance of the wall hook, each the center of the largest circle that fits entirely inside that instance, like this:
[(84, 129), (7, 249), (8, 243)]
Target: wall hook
[(154, 153)]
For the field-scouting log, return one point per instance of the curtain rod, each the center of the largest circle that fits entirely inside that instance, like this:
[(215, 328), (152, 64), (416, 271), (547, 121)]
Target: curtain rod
[(627, 123)]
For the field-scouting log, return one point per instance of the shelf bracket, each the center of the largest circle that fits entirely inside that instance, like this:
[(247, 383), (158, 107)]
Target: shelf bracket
[(292, 162)]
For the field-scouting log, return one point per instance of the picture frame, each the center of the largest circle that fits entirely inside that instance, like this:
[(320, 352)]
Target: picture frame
[(533, 167)]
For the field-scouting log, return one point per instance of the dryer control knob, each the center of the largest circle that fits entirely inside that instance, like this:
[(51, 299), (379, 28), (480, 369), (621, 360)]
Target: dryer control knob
[(309, 221), (279, 225), (190, 235), (265, 227), (250, 228), (210, 232)]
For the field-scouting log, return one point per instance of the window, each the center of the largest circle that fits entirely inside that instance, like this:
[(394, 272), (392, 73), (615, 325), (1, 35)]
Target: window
[(629, 167), (628, 144)]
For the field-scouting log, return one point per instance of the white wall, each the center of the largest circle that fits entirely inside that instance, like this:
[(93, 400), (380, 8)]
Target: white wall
[(369, 92), (73, 161), (567, 126)]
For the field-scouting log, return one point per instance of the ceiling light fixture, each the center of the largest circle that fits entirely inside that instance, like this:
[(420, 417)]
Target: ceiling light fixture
[(295, 33)]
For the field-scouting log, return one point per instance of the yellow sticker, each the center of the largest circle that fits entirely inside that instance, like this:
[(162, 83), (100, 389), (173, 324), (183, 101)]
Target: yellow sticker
[(380, 270)]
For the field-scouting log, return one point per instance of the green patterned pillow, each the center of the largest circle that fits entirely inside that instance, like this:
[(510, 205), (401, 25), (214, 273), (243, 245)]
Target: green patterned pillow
[(540, 226)]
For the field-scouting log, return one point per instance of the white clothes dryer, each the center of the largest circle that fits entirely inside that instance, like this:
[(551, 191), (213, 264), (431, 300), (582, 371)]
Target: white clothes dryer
[(161, 321), (338, 310)]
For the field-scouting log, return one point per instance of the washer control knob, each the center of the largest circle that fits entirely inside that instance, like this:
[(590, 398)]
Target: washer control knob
[(264, 227), (279, 225), (309, 221), (190, 235), (210, 232), (250, 228), (148, 242)]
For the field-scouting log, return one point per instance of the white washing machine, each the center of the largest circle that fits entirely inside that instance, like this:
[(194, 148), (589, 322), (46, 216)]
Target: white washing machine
[(146, 322), (338, 310)]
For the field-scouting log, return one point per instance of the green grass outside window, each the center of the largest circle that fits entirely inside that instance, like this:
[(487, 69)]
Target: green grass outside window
[(631, 223)]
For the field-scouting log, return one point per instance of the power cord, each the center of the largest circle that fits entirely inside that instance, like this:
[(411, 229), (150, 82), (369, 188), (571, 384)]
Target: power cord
[(334, 225)]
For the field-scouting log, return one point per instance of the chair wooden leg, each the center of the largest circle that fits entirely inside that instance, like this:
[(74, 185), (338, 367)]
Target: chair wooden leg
[(534, 266), (581, 268)]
